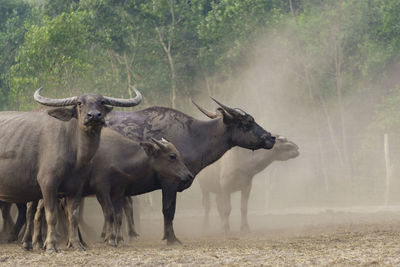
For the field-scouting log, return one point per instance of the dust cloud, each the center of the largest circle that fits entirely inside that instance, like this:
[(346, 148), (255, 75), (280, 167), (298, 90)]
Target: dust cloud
[(338, 179), (341, 167)]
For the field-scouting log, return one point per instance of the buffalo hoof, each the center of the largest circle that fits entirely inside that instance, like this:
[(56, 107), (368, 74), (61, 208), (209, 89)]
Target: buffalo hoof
[(111, 242), (38, 245), (174, 241), (103, 235), (245, 228), (120, 241), (50, 247), (52, 250), (102, 239), (133, 235), (27, 246), (76, 245), (227, 229)]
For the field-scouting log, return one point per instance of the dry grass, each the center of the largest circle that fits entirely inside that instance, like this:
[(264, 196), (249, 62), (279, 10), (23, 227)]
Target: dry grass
[(318, 240)]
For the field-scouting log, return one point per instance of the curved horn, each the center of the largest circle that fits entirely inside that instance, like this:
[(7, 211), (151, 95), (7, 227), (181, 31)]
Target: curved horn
[(53, 102), (281, 138), (205, 112), (120, 102), (159, 143), (231, 111)]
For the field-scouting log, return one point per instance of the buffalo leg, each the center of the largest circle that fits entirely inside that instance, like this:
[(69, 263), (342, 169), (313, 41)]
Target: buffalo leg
[(206, 205), (224, 209), (50, 205), (73, 205), (7, 220), (118, 218), (128, 209), (244, 226), (37, 225), (169, 205), (103, 231), (81, 207), (21, 220), (109, 217), (30, 213), (220, 205), (137, 209)]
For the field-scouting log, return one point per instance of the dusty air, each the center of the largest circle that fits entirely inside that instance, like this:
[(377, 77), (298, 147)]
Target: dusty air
[(199, 133)]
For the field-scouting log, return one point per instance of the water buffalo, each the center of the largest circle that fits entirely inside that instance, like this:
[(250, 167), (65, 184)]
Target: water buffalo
[(199, 142), (121, 163), (48, 153), (235, 172)]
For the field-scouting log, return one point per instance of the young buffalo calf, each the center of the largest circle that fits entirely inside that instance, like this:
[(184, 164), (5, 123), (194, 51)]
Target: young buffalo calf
[(118, 168)]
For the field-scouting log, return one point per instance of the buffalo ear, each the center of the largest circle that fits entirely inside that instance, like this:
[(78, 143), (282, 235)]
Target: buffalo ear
[(64, 114), (150, 149), (108, 109), (227, 118)]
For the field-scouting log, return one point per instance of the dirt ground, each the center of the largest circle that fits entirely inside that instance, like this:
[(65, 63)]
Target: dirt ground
[(324, 238)]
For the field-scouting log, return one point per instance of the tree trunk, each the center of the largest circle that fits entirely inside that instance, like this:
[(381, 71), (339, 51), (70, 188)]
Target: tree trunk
[(167, 50), (388, 169), (339, 91)]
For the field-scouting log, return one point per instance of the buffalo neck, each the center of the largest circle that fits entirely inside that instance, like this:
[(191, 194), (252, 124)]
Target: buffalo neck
[(262, 159), (87, 145), (137, 166), (211, 139), (124, 156)]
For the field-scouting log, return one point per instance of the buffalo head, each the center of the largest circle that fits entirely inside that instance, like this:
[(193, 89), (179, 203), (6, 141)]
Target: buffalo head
[(166, 160), (89, 109), (284, 149), (243, 129)]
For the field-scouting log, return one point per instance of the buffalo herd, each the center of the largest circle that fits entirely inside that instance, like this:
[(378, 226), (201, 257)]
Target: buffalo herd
[(55, 157)]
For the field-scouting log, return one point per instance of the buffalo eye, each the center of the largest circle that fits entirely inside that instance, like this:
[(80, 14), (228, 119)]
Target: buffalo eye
[(79, 103), (172, 156), (250, 119)]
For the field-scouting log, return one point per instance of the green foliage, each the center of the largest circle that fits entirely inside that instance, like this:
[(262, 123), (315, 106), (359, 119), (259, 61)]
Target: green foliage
[(232, 26), (386, 119), (55, 55), (103, 45), (13, 13)]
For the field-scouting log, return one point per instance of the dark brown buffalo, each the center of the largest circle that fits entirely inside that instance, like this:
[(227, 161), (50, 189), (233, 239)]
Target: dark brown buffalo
[(234, 172), (43, 156), (130, 165), (199, 142), (121, 163)]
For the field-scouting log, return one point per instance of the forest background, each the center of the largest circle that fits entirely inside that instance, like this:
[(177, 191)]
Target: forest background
[(326, 73)]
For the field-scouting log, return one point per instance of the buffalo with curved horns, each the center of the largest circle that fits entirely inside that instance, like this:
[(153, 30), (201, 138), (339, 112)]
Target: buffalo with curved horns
[(199, 142), (48, 153)]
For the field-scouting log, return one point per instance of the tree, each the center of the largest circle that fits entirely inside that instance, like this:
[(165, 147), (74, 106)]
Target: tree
[(55, 55), (12, 17)]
